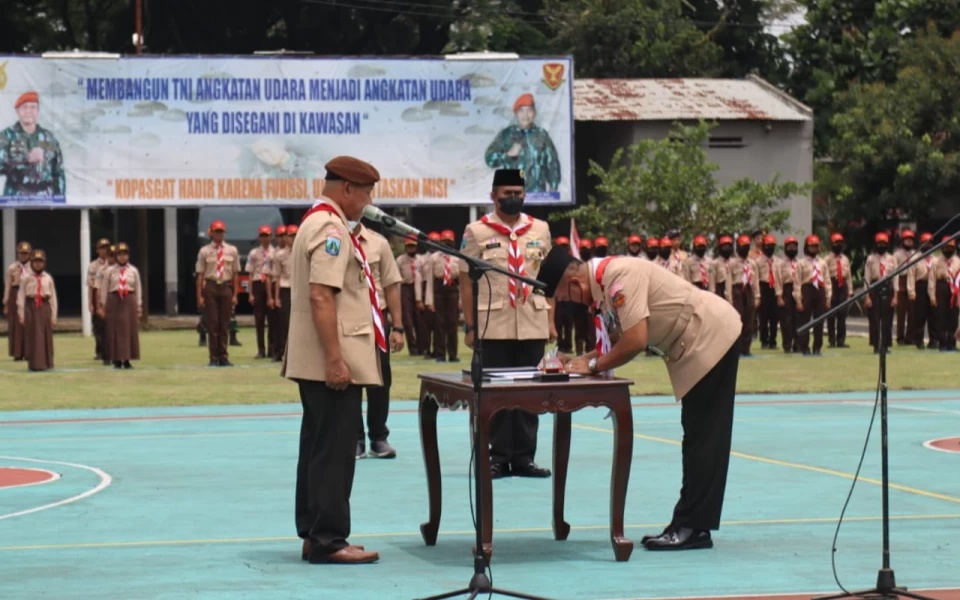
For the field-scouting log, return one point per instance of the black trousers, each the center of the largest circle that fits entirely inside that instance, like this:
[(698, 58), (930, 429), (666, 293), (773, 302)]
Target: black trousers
[(446, 304), (378, 403), (99, 326), (814, 305), (768, 315), (837, 324), (326, 464), (513, 433), (408, 303), (707, 419), (947, 322), (425, 326), (923, 315), (788, 318), (904, 312), (743, 303)]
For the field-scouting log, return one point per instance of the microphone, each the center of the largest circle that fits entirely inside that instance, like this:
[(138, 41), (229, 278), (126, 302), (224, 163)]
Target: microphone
[(378, 216)]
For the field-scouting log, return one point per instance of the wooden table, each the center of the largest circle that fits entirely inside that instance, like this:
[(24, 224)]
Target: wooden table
[(451, 390)]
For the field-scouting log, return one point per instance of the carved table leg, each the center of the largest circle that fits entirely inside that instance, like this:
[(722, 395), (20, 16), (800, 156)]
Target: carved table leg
[(622, 455), (431, 460), (561, 457)]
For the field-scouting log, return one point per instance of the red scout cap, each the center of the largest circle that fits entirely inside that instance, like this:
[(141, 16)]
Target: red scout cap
[(907, 233), (634, 239), (700, 241), (769, 239), (433, 236), (951, 242), (791, 239), (601, 241), (666, 242), (653, 242), (562, 241), (813, 240), (218, 226), (410, 240), (744, 240), (266, 230), (881, 237), (447, 234), (725, 239), (836, 237), (281, 230), (925, 237), (292, 229), (586, 244), (27, 97)]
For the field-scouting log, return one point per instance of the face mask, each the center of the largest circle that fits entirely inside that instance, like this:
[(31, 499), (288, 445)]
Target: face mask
[(791, 253), (768, 251), (700, 251), (743, 251), (949, 251), (585, 254), (812, 250), (632, 253), (511, 205), (600, 252), (882, 249), (651, 253), (665, 253), (726, 252), (838, 249)]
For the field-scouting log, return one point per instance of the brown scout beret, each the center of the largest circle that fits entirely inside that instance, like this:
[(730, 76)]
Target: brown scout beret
[(347, 168), (24, 247), (123, 247), (38, 255), (104, 242)]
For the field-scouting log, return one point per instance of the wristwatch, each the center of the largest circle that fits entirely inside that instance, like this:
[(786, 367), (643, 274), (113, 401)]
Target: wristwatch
[(398, 329), (592, 365), (467, 328)]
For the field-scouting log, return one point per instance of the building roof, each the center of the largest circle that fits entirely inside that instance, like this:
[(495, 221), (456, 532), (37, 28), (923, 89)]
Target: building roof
[(750, 99)]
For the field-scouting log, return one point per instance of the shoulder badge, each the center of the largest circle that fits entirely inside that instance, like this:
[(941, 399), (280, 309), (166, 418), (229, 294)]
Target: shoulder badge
[(332, 246)]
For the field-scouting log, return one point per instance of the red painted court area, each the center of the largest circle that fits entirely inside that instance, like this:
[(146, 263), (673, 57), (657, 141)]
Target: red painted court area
[(11, 477), (937, 594), (945, 444)]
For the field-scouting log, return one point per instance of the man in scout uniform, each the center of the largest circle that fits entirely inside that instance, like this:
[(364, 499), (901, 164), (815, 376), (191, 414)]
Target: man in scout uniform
[(442, 298), (280, 291), (16, 273), (744, 290), (634, 246), (721, 267), (336, 338), (515, 323), (771, 293), (788, 278), (386, 278), (698, 269), (37, 311), (841, 286), (812, 293), (218, 285), (527, 147), (918, 279), (30, 156), (652, 250), (426, 334), (697, 333), (259, 267), (600, 247), (943, 286), (584, 335), (93, 272), (879, 265), (679, 255), (908, 242), (407, 265)]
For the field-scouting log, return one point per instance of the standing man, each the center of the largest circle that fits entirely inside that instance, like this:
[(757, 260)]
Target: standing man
[(16, 273), (812, 294), (771, 292), (918, 279), (679, 256), (93, 293), (281, 289), (584, 333), (259, 267), (386, 278), (908, 241), (634, 245), (517, 322), (944, 290), (121, 306), (879, 264), (336, 338), (407, 265), (652, 251), (721, 267), (443, 299), (218, 285), (788, 277), (426, 335), (841, 287), (745, 290), (601, 246), (698, 269), (697, 334)]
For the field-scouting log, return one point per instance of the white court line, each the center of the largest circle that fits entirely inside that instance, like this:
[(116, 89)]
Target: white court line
[(53, 477), (930, 445), (913, 408), (105, 481)]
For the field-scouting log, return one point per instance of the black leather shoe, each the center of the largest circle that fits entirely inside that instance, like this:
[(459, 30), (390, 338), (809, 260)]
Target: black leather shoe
[(647, 538), (225, 363), (681, 538), (530, 469), (499, 471)]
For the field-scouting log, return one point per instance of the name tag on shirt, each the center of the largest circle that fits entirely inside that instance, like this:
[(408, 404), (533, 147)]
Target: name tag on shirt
[(492, 245)]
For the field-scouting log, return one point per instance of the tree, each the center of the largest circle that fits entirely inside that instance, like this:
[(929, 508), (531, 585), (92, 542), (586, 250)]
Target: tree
[(501, 26), (657, 185)]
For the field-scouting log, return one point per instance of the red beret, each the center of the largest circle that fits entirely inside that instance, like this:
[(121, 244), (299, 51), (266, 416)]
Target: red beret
[(523, 100), (769, 239), (292, 229), (699, 241), (836, 237), (27, 97), (447, 234), (601, 241), (265, 230), (281, 230), (813, 240), (744, 240), (218, 226), (354, 170), (634, 239), (410, 240)]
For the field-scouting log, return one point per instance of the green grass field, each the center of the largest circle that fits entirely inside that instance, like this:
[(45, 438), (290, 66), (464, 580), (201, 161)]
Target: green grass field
[(173, 372)]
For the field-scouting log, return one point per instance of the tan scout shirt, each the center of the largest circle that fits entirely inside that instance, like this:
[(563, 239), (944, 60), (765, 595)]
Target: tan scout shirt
[(420, 261), (435, 271), (736, 268), (260, 263), (28, 291), (381, 261), (942, 269), (669, 265), (207, 262), (871, 271), (764, 266), (281, 267), (902, 255), (787, 272), (529, 320), (94, 270), (804, 275), (832, 261), (323, 254), (677, 260), (110, 282), (693, 272), (693, 328), (408, 267), (919, 272), (15, 272)]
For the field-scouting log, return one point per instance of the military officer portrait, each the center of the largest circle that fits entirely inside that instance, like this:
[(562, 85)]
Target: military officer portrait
[(526, 146), (30, 157), (643, 305), (515, 323)]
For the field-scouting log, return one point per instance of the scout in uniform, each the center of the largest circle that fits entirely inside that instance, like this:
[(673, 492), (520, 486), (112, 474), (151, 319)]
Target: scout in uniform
[(514, 322), (697, 334), (841, 286), (93, 272), (426, 335), (386, 278), (406, 264), (218, 284), (16, 273), (121, 306), (698, 269), (679, 255), (634, 245), (563, 311), (666, 257), (652, 250), (944, 290), (30, 155), (879, 265), (279, 290), (745, 290), (771, 293), (908, 242), (721, 268), (601, 246), (259, 267), (918, 279), (336, 338), (37, 310), (442, 298), (98, 285), (788, 277), (812, 294)]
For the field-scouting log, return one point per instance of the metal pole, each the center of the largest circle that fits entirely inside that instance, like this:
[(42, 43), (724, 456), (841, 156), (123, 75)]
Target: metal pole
[(85, 315), (170, 258), (139, 18), (473, 214), (9, 235)]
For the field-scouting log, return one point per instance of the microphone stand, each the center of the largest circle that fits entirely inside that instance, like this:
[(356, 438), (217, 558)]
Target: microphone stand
[(886, 582), (479, 583)]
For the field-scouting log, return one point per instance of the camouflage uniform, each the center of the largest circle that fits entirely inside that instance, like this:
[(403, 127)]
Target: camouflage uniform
[(538, 156), (45, 178)]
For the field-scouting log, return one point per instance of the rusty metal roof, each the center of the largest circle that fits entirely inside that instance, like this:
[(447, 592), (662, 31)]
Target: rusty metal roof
[(684, 99)]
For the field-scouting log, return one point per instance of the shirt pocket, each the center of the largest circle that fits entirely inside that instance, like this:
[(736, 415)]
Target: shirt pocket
[(497, 256)]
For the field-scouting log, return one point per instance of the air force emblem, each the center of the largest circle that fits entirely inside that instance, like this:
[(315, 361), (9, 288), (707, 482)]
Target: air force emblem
[(553, 75)]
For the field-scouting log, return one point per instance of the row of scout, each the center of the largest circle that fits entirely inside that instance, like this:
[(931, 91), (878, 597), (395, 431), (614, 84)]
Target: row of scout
[(30, 302)]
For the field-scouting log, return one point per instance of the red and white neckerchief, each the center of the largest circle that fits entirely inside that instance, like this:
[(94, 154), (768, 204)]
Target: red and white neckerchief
[(839, 272), (447, 276), (122, 288), (23, 271), (603, 337), (747, 273), (703, 274), (883, 268), (381, 338), (515, 257), (770, 277), (38, 299), (265, 266), (220, 263), (954, 279), (817, 279)]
